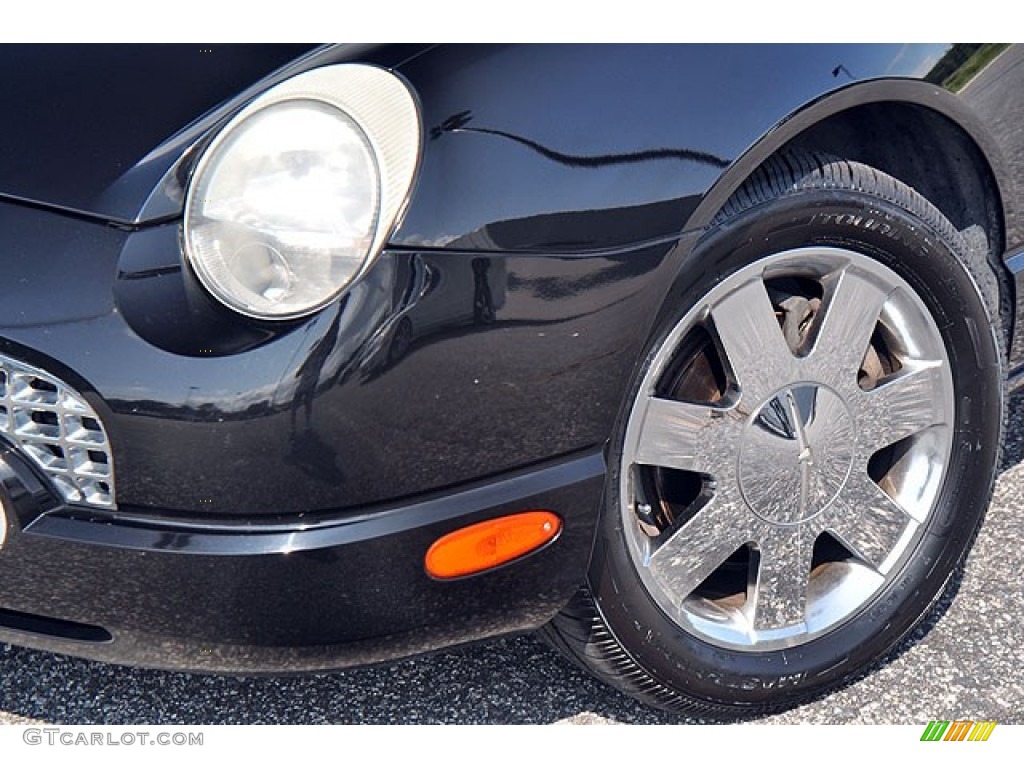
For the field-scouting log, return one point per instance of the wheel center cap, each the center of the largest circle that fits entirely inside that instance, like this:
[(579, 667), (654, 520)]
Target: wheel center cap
[(796, 454)]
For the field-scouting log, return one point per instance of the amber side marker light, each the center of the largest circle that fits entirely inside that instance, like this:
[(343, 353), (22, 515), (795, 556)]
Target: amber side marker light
[(482, 546)]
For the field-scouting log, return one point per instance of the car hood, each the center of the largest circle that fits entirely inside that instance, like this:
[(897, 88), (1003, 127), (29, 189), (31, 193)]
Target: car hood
[(94, 128)]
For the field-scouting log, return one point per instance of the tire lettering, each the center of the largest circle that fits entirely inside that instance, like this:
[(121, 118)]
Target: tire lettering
[(755, 683), (870, 223)]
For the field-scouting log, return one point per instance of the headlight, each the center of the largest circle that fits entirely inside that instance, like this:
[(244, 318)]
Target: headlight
[(295, 197)]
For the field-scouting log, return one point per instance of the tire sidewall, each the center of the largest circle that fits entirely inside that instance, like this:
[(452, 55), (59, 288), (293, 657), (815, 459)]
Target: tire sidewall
[(937, 271)]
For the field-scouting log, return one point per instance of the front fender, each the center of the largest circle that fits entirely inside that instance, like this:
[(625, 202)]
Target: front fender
[(585, 147)]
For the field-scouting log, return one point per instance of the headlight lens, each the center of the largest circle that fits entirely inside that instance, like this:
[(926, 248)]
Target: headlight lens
[(292, 200)]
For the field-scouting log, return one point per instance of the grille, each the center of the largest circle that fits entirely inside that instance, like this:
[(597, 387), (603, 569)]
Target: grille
[(57, 430)]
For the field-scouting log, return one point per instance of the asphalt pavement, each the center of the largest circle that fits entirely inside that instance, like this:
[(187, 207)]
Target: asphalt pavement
[(965, 662)]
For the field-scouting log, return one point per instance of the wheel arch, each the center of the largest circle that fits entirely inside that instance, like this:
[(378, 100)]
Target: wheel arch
[(948, 118), (905, 128)]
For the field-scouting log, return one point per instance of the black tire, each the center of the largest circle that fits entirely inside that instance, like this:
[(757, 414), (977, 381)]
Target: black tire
[(617, 630)]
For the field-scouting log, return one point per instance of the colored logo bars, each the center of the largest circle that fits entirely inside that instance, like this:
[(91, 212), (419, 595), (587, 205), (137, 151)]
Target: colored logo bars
[(958, 730)]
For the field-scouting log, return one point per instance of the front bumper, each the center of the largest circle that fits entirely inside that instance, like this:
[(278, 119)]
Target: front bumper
[(298, 595), (277, 487)]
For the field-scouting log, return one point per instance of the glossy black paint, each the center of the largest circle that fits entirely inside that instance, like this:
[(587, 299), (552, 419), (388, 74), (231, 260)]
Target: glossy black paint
[(210, 415), (636, 127), (284, 467), (95, 129), (80, 120)]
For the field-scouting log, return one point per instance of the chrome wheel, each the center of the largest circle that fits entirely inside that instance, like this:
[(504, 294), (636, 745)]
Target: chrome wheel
[(786, 448)]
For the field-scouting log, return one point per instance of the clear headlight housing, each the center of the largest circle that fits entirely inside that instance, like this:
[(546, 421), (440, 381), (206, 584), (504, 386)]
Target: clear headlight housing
[(294, 198)]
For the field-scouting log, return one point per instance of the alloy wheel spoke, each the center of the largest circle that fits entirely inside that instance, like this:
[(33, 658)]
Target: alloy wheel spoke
[(698, 548), (698, 438), (850, 311), (782, 577), (909, 403), (753, 342), (868, 522)]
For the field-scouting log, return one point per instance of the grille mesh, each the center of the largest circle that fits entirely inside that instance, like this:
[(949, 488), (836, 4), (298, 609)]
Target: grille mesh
[(54, 427)]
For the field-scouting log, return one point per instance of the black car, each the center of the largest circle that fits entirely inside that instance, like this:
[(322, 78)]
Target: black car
[(694, 358)]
